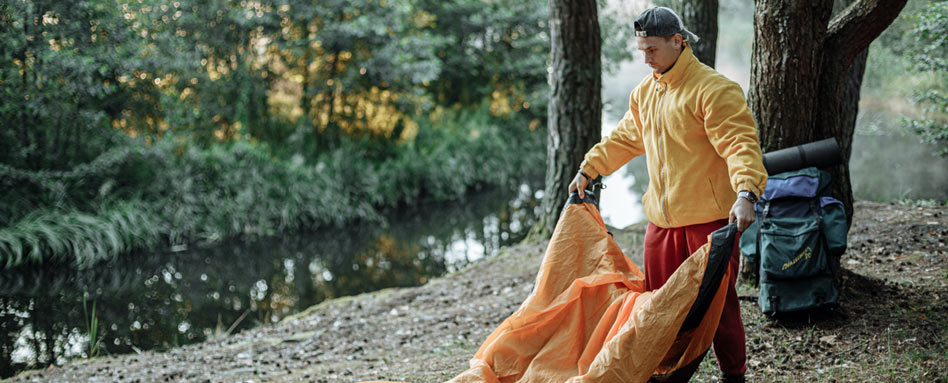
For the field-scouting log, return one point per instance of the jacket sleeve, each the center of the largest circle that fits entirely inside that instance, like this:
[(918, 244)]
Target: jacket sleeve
[(733, 134), (620, 146)]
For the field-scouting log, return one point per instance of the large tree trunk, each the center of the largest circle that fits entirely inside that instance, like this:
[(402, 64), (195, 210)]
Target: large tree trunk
[(700, 17), (575, 108), (804, 84), (785, 67), (806, 72)]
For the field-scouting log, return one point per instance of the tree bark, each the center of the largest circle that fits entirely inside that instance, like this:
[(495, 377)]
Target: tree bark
[(785, 67), (700, 17), (806, 72), (575, 107)]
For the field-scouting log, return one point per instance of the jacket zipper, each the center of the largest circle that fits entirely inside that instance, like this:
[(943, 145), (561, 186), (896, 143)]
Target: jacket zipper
[(661, 152)]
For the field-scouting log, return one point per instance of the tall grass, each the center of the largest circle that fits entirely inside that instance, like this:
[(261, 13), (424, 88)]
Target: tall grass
[(78, 237), (146, 197), (94, 344)]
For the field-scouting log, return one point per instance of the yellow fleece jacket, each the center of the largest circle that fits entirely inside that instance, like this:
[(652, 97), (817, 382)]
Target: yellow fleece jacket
[(699, 141)]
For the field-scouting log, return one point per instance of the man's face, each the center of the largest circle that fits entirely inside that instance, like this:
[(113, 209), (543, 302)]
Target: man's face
[(661, 52)]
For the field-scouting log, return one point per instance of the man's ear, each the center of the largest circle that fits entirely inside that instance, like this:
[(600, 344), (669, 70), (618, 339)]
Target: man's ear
[(679, 40)]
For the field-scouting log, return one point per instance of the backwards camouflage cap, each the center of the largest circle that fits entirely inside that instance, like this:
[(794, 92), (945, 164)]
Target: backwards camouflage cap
[(661, 21)]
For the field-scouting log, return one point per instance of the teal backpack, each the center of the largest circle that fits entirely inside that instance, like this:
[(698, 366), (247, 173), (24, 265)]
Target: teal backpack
[(797, 241)]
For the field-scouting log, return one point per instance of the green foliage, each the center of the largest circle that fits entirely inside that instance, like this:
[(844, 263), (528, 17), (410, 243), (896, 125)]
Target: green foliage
[(906, 76), (493, 49), (931, 58), (77, 74), (457, 150), (932, 35), (127, 172), (175, 192), (59, 81)]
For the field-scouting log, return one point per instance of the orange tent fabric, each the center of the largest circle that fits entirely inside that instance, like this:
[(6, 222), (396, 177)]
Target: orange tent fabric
[(589, 318)]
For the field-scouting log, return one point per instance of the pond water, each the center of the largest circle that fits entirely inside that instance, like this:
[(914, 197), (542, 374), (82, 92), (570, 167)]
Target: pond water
[(162, 300)]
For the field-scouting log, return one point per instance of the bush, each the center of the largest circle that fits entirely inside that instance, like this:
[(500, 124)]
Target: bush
[(173, 192), (931, 58)]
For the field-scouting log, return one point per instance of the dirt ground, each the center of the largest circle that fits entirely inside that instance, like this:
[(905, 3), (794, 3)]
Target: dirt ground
[(891, 326)]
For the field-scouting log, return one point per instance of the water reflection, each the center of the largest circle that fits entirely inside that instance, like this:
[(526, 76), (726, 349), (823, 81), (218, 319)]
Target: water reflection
[(158, 301), (888, 167)]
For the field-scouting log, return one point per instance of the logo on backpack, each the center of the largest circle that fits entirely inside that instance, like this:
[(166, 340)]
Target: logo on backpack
[(808, 252)]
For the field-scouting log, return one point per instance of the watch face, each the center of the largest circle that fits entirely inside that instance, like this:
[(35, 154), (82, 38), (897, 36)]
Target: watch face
[(747, 195)]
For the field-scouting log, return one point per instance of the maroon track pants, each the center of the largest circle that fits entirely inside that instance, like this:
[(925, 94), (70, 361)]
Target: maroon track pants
[(665, 250)]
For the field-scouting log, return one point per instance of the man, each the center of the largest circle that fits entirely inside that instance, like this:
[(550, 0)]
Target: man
[(704, 163)]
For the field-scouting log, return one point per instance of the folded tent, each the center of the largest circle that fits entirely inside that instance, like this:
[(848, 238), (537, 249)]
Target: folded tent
[(590, 319)]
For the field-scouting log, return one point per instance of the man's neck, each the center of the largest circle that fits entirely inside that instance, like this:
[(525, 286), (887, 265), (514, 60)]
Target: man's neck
[(676, 60), (659, 74)]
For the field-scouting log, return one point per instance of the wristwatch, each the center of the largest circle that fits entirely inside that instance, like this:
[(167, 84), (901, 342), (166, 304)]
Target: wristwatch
[(588, 178), (748, 195)]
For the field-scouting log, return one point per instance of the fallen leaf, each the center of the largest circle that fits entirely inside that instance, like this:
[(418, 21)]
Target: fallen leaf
[(829, 339)]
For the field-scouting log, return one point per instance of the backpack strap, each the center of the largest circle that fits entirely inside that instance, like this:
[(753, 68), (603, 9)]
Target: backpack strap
[(815, 207), (760, 225)]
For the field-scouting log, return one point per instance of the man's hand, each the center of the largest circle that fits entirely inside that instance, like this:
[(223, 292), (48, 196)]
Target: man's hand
[(579, 183), (743, 212)]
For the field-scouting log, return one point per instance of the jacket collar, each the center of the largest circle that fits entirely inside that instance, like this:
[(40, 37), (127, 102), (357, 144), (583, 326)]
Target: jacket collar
[(680, 69)]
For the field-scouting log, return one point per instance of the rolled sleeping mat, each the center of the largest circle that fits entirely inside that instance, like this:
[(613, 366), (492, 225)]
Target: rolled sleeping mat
[(819, 154)]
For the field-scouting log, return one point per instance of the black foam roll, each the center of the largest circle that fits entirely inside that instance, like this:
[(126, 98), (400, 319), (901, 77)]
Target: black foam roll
[(820, 154)]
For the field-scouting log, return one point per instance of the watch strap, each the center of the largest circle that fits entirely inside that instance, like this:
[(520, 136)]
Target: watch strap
[(748, 195)]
